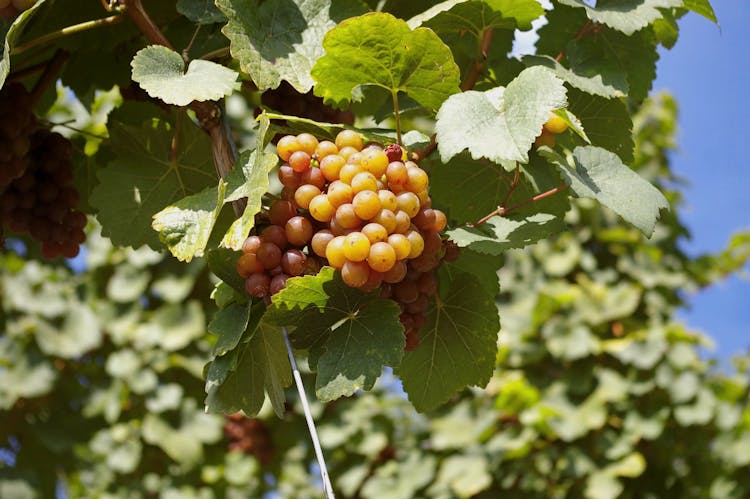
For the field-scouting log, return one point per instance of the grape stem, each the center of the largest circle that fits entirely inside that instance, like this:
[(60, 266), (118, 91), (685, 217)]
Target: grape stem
[(327, 487), (501, 210), (476, 68), (68, 30), (394, 93), (49, 76)]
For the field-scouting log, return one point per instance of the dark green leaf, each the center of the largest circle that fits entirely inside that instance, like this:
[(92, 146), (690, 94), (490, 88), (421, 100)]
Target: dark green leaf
[(228, 324)]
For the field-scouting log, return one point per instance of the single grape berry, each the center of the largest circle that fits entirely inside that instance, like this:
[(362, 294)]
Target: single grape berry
[(555, 124), (258, 285), (394, 152)]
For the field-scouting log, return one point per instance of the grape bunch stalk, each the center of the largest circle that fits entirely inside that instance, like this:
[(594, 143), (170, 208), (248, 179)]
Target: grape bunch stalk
[(365, 211), (37, 195)]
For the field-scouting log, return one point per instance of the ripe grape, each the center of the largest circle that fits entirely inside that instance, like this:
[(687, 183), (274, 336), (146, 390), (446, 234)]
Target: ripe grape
[(304, 194), (387, 219), (348, 171), (286, 146), (307, 143), (299, 231), (274, 234), (364, 181), (555, 124), (257, 285), (374, 161), (417, 243), (348, 138), (278, 282), (375, 232), (417, 179), (397, 176), (320, 240), (382, 257), (346, 217), (408, 202), (281, 211), (355, 274), (356, 247), (340, 193), (248, 264), (325, 148), (299, 161), (314, 176), (331, 165), (388, 200), (401, 245), (396, 273), (288, 177), (269, 255), (293, 262), (335, 252), (321, 208), (366, 205)]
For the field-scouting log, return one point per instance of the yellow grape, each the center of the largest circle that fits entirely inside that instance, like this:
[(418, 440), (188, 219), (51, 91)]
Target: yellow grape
[(555, 124), (286, 146), (307, 142), (325, 148), (347, 151), (349, 138), (366, 205), (304, 194), (356, 247), (417, 243), (382, 257), (388, 199), (331, 165), (401, 245), (408, 202), (321, 208), (340, 193), (375, 232), (440, 221), (403, 222), (375, 161), (387, 219), (346, 217), (364, 181), (417, 179), (348, 171), (335, 252)]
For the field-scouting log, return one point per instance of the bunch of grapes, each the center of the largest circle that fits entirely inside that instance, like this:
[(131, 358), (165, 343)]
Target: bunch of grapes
[(42, 201), (364, 211), (249, 435), (17, 124)]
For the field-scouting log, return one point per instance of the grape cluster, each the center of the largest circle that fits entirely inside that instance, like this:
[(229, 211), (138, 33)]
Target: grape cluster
[(41, 202), (249, 435), (364, 211), (17, 124)]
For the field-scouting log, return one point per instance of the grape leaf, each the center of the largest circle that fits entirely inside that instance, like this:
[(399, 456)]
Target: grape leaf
[(238, 380), (457, 345), (483, 267), (599, 174), (476, 16), (606, 121), (599, 78), (702, 7), (200, 11), (357, 333), (502, 123), (10, 33), (228, 324), (249, 179), (563, 23), (161, 73), (500, 234), (143, 178), (666, 30), (186, 226), (634, 55), (379, 49), (627, 16), (281, 39), (223, 263)]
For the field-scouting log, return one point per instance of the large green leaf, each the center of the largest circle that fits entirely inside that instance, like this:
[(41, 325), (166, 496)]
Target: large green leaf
[(627, 16), (595, 77), (500, 234), (599, 174), (229, 324), (249, 180), (223, 263), (378, 49), (200, 11), (186, 226), (457, 345), (161, 73), (361, 333), (145, 177), (502, 123), (281, 39), (476, 16), (10, 32), (606, 121)]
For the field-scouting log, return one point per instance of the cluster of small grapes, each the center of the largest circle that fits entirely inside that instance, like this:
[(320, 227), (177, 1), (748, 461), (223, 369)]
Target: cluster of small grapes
[(363, 211), (286, 100), (42, 201), (249, 435), (17, 124)]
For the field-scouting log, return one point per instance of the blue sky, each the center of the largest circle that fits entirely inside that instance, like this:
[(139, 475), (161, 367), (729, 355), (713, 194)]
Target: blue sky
[(708, 72)]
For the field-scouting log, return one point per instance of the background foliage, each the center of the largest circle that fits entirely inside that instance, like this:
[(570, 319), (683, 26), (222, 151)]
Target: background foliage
[(595, 391)]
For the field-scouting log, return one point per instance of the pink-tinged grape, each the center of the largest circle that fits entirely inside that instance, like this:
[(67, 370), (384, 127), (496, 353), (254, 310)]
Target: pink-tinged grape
[(299, 231), (403, 222), (281, 211), (307, 143), (293, 262), (331, 165), (321, 208), (251, 244), (356, 247), (424, 199), (364, 181), (397, 176), (374, 281), (278, 282), (319, 242), (406, 291), (417, 179), (274, 234), (417, 243), (401, 245), (299, 161), (248, 264), (394, 153), (425, 219), (340, 193), (258, 285), (382, 257), (325, 148), (427, 284), (440, 221), (366, 205), (304, 194), (314, 176), (335, 252), (355, 274), (346, 217), (288, 177), (387, 219), (287, 145), (349, 138), (375, 232), (374, 161), (269, 255), (396, 274), (432, 242), (408, 202), (545, 139)]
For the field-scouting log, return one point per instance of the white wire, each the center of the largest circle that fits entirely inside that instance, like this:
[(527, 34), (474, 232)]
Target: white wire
[(327, 488)]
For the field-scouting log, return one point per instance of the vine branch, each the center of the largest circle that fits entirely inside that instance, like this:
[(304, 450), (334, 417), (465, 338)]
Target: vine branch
[(476, 68), (68, 30), (49, 75), (501, 210)]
